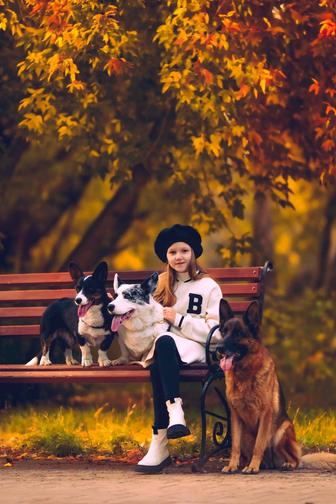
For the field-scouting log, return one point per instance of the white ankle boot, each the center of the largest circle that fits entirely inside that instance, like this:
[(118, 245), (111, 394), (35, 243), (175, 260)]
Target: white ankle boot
[(157, 457), (177, 425)]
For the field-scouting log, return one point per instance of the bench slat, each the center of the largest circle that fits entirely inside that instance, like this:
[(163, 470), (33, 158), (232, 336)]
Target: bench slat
[(76, 374), (251, 289), (36, 295), (36, 311), (249, 273), (34, 330), (252, 273), (63, 367), (22, 312), (64, 278), (20, 330)]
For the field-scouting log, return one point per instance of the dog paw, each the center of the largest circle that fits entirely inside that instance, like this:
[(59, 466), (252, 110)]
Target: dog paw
[(230, 469), (287, 466), (71, 362), (119, 362), (87, 362), (250, 469), (104, 362), (45, 361)]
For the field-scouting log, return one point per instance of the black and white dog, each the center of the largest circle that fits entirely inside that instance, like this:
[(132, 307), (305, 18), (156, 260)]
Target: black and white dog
[(84, 320), (138, 318)]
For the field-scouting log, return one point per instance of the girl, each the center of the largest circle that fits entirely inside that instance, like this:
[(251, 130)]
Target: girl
[(191, 308)]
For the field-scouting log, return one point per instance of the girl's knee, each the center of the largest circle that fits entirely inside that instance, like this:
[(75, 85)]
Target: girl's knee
[(164, 342)]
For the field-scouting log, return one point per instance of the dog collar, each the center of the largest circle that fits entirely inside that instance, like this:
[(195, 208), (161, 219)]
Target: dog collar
[(92, 326)]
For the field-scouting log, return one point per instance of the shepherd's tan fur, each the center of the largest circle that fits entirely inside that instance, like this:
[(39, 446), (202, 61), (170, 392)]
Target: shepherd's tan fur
[(262, 433)]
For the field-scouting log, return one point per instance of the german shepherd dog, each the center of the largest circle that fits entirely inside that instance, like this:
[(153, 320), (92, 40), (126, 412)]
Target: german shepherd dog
[(262, 433)]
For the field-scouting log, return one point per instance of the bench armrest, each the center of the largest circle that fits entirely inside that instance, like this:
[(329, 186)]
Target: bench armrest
[(208, 344)]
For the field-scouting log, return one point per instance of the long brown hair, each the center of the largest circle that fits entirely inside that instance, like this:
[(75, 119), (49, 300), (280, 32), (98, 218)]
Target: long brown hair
[(164, 292)]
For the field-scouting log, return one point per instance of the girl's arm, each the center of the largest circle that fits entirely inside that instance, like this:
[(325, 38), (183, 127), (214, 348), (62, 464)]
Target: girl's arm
[(197, 328)]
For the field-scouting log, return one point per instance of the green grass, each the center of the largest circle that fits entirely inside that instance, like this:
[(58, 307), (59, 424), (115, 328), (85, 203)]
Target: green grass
[(316, 429), (105, 432)]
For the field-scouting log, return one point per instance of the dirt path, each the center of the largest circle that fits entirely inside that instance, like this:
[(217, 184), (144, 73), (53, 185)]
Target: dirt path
[(59, 483)]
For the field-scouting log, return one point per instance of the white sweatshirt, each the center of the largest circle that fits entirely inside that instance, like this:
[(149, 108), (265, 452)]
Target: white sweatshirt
[(197, 311), (197, 307)]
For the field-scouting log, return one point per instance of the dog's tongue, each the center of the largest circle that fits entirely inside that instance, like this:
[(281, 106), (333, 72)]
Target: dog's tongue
[(226, 363), (116, 322), (119, 319), (82, 309)]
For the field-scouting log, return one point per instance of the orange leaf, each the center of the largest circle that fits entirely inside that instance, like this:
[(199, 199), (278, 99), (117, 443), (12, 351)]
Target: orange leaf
[(255, 137), (38, 7), (331, 92), (319, 132), (330, 109), (208, 76), (328, 28), (116, 66), (328, 145), (243, 91), (314, 88), (203, 72), (181, 39)]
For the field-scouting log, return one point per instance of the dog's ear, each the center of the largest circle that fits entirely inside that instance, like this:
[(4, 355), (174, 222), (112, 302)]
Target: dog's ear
[(225, 312), (252, 318), (100, 273), (149, 285), (116, 282), (75, 271)]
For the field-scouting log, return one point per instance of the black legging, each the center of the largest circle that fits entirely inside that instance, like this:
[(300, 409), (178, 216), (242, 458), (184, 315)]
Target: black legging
[(165, 378)]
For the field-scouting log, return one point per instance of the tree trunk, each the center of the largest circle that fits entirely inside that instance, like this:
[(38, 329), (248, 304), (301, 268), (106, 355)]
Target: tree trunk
[(9, 162), (325, 262), (263, 249), (12, 231), (106, 231)]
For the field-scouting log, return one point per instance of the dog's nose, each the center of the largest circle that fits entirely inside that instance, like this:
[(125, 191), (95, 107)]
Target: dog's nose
[(110, 307), (78, 300)]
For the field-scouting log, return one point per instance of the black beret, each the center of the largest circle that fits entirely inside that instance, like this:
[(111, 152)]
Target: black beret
[(177, 233)]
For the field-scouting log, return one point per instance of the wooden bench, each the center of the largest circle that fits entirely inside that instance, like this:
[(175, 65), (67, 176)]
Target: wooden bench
[(23, 298)]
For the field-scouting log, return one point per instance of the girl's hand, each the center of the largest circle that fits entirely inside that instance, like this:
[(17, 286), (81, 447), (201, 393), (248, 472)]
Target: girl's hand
[(169, 314)]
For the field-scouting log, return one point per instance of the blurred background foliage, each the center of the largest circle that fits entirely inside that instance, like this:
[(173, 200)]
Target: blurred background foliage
[(120, 118)]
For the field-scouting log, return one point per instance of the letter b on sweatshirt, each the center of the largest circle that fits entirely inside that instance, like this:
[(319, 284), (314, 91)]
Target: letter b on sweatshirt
[(195, 304)]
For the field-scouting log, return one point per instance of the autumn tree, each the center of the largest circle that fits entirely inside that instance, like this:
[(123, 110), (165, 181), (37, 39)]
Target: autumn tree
[(214, 99), (84, 90)]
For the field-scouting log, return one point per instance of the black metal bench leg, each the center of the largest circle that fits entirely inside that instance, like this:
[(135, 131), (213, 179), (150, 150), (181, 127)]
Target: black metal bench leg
[(205, 386), (218, 429)]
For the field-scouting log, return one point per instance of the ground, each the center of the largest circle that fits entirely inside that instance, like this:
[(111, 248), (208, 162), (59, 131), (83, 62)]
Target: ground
[(58, 482)]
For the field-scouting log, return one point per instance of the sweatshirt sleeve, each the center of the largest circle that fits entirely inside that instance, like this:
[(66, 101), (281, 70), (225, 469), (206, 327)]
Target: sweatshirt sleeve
[(197, 328)]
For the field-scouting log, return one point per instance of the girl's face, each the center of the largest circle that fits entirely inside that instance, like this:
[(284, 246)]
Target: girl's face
[(179, 256)]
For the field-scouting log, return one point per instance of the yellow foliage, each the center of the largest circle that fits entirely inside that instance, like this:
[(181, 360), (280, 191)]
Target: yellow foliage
[(294, 258), (33, 122), (214, 144), (199, 144), (283, 243), (127, 260), (3, 21)]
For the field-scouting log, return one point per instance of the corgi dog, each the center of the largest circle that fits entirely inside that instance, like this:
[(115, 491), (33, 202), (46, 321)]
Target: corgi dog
[(137, 318), (83, 320)]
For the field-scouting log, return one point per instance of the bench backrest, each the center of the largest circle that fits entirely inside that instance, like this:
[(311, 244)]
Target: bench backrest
[(23, 297)]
